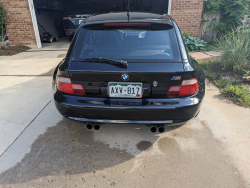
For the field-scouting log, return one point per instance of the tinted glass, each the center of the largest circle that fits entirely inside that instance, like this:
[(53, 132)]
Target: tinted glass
[(132, 45)]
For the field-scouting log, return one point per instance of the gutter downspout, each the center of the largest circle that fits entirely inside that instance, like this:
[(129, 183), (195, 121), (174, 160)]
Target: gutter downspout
[(34, 21), (169, 6)]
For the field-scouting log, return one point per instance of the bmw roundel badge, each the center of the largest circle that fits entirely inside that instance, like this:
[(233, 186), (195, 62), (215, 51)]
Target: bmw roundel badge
[(125, 77)]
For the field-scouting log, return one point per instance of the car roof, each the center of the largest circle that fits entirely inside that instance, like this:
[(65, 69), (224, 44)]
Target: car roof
[(123, 17)]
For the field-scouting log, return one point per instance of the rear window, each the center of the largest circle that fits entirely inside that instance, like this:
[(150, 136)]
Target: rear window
[(129, 44)]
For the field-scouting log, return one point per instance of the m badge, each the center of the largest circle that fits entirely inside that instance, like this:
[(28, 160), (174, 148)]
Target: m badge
[(176, 78)]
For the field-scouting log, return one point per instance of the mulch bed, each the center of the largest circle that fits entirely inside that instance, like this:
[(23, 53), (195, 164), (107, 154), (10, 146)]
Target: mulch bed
[(12, 50)]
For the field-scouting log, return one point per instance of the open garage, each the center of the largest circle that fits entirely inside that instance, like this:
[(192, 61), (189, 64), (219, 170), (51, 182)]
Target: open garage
[(61, 18), (29, 20)]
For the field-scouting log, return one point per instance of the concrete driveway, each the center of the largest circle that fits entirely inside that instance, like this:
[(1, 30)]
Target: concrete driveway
[(40, 148)]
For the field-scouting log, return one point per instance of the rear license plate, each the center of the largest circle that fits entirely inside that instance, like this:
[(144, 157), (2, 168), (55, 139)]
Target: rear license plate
[(125, 90)]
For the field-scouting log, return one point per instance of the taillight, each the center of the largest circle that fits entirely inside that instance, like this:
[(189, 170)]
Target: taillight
[(174, 91), (66, 86), (66, 17), (127, 24), (187, 88)]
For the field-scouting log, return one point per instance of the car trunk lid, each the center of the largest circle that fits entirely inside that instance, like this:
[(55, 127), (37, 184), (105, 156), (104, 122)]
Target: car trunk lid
[(155, 77)]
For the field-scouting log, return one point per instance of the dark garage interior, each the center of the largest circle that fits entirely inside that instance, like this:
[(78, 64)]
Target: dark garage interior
[(61, 18)]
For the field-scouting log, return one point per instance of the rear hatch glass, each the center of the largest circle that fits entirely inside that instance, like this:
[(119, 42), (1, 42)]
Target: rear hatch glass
[(131, 44)]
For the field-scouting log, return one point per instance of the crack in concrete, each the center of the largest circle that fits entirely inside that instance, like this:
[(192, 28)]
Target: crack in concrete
[(25, 128)]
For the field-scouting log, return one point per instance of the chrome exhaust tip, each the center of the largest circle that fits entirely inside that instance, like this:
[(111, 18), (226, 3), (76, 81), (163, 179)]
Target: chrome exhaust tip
[(153, 129), (97, 127), (161, 129), (89, 126)]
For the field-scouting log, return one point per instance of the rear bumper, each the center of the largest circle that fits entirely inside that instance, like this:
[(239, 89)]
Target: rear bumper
[(126, 111), (108, 121)]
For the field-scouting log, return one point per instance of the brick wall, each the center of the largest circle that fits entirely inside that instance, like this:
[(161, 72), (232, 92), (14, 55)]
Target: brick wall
[(188, 13), (19, 27)]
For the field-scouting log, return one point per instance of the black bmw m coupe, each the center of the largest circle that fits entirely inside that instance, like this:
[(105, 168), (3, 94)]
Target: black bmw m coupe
[(129, 69)]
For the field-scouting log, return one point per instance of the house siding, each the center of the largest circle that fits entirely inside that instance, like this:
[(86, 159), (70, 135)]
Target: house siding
[(187, 13)]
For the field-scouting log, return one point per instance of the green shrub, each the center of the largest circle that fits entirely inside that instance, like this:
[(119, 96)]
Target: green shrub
[(235, 49), (245, 25), (205, 66), (238, 93), (3, 13), (247, 72), (194, 44), (230, 12)]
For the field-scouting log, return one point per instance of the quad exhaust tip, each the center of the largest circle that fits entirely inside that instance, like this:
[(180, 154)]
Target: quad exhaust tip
[(96, 126), (89, 126), (160, 128), (153, 129)]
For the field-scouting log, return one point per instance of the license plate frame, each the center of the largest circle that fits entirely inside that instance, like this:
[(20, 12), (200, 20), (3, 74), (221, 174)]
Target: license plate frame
[(135, 93)]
